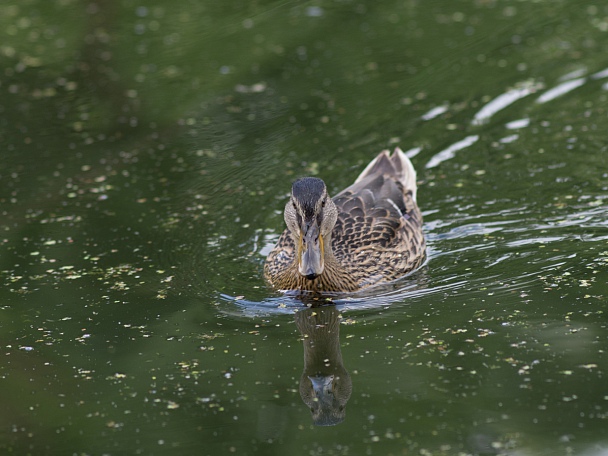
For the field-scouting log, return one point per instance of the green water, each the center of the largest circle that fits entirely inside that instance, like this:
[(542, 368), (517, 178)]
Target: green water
[(148, 150)]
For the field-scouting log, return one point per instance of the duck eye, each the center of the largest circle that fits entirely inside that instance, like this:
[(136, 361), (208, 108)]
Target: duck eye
[(323, 203)]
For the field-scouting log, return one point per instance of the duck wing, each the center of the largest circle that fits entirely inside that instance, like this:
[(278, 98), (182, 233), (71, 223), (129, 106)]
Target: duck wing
[(379, 228)]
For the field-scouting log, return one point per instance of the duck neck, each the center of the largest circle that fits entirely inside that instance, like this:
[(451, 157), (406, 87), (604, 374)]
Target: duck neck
[(328, 253), (332, 263), (333, 278)]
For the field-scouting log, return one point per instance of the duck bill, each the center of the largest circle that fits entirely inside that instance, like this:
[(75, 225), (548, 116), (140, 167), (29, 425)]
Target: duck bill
[(311, 252)]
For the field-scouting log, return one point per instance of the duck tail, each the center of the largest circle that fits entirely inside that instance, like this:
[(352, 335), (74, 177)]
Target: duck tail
[(397, 165)]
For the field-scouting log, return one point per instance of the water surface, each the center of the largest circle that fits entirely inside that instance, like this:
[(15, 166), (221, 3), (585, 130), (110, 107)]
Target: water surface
[(147, 155)]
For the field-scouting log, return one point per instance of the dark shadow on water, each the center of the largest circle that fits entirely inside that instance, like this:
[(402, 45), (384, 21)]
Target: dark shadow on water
[(325, 384)]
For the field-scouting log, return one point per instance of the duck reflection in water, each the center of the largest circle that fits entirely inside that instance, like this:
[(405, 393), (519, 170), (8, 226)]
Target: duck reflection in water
[(325, 385)]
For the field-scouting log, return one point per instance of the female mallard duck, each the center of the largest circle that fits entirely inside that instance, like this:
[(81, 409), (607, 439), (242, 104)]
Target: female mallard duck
[(369, 233)]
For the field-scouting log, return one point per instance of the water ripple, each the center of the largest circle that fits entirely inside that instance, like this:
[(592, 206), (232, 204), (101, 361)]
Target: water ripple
[(450, 151), (560, 90), (504, 100)]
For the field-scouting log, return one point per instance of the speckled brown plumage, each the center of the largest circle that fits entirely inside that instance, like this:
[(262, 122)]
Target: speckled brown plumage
[(377, 236)]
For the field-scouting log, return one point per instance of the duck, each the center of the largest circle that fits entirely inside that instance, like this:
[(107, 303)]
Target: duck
[(369, 233)]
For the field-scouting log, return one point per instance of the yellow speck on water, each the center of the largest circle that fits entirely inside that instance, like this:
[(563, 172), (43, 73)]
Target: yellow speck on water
[(172, 405)]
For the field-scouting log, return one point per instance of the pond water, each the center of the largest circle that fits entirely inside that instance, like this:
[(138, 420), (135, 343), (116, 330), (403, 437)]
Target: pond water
[(148, 151)]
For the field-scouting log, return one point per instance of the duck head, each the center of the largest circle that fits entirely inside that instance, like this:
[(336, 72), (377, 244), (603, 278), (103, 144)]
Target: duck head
[(310, 216)]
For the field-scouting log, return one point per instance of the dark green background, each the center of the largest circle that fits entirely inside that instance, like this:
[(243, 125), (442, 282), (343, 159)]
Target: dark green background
[(147, 152)]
